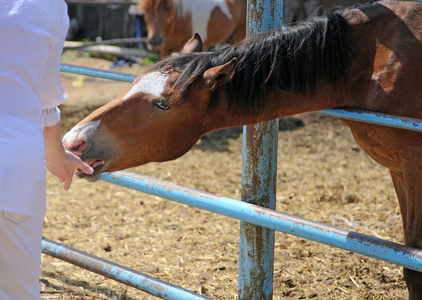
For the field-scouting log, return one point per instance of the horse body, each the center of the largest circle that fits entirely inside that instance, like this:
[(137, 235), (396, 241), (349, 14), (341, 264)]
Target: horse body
[(295, 11), (392, 84), (367, 58), (172, 22)]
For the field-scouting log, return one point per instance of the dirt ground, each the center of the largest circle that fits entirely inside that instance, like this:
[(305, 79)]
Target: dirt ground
[(322, 175)]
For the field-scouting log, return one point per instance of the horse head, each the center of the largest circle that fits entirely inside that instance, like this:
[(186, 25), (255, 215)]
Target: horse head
[(157, 14), (145, 123)]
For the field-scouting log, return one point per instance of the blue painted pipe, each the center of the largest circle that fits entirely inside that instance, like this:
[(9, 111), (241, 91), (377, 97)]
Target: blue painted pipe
[(259, 181), (405, 256), (119, 273), (259, 177), (119, 76), (375, 118)]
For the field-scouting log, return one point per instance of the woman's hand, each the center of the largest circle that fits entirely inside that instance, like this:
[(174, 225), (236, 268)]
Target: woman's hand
[(60, 162), (64, 167)]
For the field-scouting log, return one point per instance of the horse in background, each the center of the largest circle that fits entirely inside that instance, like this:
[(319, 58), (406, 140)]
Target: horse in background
[(369, 57), (170, 23)]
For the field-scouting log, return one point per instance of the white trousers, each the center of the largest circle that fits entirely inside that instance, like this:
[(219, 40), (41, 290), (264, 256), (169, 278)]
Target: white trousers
[(20, 256)]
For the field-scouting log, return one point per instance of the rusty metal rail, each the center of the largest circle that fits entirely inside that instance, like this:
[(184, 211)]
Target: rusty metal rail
[(264, 217), (119, 273)]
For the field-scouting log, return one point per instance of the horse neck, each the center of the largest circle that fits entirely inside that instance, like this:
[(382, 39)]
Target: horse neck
[(278, 105), (347, 91)]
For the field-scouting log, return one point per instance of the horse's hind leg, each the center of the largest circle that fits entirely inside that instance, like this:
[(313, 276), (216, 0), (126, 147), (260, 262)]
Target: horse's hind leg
[(409, 193)]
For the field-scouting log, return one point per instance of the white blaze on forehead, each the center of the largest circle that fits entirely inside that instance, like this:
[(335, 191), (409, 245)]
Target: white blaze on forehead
[(200, 11), (152, 83)]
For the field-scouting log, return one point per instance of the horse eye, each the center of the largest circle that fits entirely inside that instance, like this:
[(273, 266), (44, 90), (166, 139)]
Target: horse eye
[(161, 103)]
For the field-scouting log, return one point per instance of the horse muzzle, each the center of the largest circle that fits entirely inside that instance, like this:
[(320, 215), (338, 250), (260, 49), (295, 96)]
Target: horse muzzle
[(156, 41), (93, 145)]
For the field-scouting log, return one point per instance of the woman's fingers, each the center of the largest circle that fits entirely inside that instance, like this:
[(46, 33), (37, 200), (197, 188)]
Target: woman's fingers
[(85, 168)]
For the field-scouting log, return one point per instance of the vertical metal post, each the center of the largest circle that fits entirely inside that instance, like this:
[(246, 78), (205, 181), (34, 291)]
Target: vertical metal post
[(259, 173)]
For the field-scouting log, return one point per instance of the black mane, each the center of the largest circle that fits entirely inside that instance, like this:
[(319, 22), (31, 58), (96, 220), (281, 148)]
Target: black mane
[(292, 60)]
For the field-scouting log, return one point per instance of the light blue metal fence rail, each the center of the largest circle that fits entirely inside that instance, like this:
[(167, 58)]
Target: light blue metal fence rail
[(256, 211)]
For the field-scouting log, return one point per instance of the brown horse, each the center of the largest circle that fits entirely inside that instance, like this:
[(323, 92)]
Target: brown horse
[(171, 23), (297, 10), (368, 58)]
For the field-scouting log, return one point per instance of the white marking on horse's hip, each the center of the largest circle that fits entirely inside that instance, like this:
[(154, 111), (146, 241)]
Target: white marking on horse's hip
[(152, 83), (200, 11), (82, 132)]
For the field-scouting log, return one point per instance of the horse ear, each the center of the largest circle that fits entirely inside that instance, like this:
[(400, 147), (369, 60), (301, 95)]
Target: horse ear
[(219, 75), (193, 45)]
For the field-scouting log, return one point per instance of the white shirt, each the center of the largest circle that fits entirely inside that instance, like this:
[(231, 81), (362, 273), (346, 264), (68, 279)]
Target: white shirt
[(32, 33)]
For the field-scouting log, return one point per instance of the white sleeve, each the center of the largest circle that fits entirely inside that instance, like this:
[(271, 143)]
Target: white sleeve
[(51, 90), (51, 116)]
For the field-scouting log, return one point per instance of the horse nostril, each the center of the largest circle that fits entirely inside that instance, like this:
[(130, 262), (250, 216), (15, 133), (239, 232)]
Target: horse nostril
[(77, 147)]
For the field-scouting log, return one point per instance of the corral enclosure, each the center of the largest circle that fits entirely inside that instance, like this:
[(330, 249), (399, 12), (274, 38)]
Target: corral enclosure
[(322, 175), (108, 19)]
